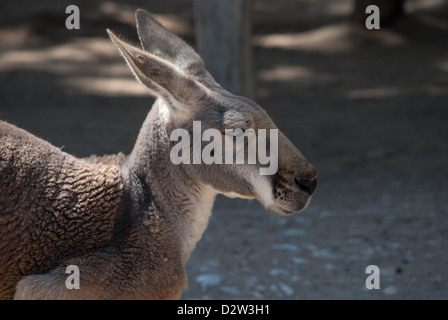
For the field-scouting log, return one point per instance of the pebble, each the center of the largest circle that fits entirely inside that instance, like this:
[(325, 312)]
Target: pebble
[(285, 246), (299, 260), (310, 246), (286, 289), (279, 272), (323, 253), (293, 232), (208, 280), (230, 289), (391, 290)]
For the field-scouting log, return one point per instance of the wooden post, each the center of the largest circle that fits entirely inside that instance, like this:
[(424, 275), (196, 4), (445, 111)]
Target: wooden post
[(223, 33)]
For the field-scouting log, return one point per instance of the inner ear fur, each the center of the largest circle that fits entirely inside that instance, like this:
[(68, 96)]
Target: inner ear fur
[(161, 77), (158, 40)]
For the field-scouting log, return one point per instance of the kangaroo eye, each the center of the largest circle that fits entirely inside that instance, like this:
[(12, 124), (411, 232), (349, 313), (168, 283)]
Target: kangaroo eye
[(235, 132)]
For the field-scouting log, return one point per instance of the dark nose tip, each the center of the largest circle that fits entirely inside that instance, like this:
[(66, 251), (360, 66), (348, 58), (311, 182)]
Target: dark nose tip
[(306, 185)]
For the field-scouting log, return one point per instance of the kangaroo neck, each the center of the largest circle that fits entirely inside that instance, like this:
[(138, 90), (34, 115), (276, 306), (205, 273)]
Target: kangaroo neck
[(186, 203)]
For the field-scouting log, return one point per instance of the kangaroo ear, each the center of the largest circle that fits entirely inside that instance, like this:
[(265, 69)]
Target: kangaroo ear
[(161, 42), (161, 77)]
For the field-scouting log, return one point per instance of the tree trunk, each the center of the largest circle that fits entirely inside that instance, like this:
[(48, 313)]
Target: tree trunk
[(223, 33)]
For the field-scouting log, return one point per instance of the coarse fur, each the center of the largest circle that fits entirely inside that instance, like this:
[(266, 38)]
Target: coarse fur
[(130, 223)]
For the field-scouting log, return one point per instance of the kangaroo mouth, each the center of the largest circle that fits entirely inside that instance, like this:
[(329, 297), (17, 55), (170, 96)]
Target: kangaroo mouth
[(287, 209), (280, 209)]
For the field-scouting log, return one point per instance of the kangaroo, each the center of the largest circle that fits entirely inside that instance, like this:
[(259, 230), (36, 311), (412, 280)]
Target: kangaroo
[(131, 232)]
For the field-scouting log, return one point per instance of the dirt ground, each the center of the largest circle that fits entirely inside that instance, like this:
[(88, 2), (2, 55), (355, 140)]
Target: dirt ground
[(368, 108)]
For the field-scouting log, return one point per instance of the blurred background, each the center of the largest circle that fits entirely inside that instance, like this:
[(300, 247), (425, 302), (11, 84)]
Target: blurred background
[(369, 108)]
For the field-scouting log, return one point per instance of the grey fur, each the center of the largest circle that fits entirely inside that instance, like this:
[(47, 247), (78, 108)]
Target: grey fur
[(131, 222)]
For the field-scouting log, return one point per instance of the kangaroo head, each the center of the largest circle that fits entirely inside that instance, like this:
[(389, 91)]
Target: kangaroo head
[(221, 140)]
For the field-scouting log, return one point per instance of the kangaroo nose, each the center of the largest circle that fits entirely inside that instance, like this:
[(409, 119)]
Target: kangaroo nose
[(306, 185)]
